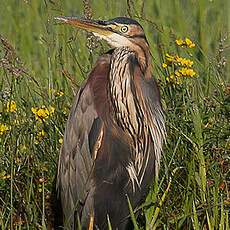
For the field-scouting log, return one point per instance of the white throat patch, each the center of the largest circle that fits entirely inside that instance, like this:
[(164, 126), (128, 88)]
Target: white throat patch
[(115, 40)]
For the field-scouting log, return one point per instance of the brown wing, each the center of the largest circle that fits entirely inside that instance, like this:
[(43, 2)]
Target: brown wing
[(75, 184), (155, 116)]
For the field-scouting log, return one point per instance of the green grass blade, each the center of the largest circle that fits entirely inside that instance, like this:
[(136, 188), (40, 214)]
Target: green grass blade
[(195, 217), (109, 223), (132, 215)]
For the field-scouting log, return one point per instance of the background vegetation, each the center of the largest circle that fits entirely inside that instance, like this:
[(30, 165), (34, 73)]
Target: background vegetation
[(42, 64)]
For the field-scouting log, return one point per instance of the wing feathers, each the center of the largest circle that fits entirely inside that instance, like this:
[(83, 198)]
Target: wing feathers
[(75, 184)]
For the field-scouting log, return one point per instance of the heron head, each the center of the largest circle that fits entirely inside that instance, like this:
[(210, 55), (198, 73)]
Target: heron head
[(118, 32)]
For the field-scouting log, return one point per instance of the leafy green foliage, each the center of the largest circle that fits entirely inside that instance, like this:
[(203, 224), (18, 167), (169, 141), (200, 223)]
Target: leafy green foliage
[(42, 64)]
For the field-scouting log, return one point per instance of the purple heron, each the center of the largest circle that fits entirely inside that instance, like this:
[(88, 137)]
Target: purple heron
[(114, 134)]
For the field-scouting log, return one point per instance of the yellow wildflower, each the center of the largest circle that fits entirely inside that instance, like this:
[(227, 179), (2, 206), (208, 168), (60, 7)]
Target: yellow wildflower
[(11, 107), (169, 57), (43, 112), (190, 72), (183, 71), (179, 42), (187, 62), (164, 65), (179, 59), (185, 43), (173, 79), (4, 175), (187, 72), (60, 94), (3, 128), (177, 73), (40, 136), (65, 111), (183, 61), (169, 77), (189, 43), (181, 67), (51, 110), (60, 140)]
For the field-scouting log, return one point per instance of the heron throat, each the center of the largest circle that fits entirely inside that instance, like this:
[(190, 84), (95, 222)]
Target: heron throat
[(128, 111)]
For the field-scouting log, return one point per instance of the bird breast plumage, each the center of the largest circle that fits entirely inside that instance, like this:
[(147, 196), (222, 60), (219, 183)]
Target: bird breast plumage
[(129, 112)]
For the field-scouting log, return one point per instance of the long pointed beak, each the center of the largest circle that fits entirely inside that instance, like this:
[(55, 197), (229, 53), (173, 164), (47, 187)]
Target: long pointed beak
[(93, 26)]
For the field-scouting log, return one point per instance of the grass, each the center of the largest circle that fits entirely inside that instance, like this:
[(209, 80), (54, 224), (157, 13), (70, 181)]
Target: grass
[(42, 64)]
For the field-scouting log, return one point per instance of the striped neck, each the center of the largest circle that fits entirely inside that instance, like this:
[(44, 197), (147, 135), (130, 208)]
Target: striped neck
[(142, 52), (122, 91), (128, 112), (136, 111)]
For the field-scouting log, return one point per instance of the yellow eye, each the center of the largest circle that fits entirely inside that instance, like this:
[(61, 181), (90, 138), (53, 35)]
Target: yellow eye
[(124, 29)]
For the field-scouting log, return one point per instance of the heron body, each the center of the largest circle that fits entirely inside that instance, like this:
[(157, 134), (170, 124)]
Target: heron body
[(113, 139)]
